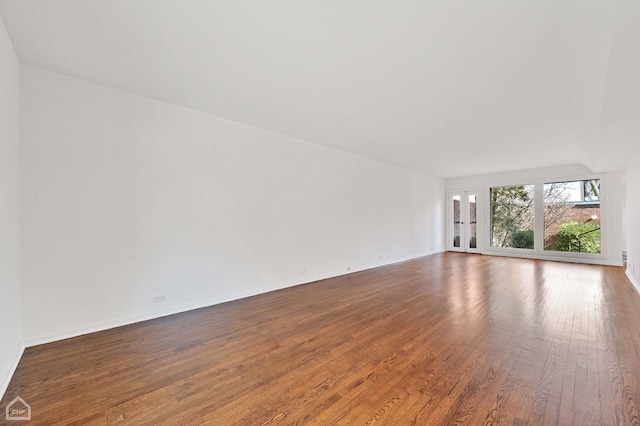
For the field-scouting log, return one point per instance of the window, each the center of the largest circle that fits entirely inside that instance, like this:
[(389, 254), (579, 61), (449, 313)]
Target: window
[(572, 216), (512, 216)]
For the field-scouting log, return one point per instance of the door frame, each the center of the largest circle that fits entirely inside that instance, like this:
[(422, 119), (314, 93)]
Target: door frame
[(465, 226)]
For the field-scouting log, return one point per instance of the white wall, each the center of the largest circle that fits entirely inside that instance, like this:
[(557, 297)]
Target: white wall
[(611, 204), (126, 198), (11, 346), (633, 226)]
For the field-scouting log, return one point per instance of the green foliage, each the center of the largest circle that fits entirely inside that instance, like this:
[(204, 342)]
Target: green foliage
[(522, 239), (589, 242)]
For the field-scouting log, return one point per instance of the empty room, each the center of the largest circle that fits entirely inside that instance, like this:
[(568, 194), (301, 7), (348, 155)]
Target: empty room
[(319, 212)]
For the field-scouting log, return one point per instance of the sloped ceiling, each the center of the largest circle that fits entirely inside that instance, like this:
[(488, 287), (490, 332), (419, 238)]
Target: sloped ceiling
[(450, 88)]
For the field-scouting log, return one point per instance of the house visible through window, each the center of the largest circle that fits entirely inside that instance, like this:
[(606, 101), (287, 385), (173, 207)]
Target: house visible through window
[(572, 216)]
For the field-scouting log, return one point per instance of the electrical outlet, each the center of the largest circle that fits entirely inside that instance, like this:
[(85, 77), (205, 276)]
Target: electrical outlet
[(160, 299)]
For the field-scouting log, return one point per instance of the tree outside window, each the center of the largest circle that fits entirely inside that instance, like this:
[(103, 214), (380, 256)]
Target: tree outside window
[(512, 216)]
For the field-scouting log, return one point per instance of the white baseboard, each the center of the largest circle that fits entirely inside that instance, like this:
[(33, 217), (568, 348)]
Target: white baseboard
[(118, 322), (553, 257), (633, 281), (4, 384)]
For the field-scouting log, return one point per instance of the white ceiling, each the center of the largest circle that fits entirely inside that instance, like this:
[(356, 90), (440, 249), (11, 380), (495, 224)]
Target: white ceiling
[(451, 88)]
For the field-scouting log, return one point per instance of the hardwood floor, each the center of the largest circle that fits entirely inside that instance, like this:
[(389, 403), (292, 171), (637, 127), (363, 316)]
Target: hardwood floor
[(446, 339)]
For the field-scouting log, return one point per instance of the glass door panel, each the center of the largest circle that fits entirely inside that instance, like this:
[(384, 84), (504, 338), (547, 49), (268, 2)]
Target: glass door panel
[(457, 213), (473, 223)]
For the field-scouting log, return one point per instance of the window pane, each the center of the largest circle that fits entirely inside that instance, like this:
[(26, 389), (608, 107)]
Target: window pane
[(572, 216), (512, 216)]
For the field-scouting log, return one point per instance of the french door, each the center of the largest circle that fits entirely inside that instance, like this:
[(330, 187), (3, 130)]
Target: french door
[(464, 213)]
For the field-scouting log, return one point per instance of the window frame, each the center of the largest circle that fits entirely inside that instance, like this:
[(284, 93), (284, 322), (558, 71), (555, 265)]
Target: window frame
[(538, 250), (582, 203), (490, 221)]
